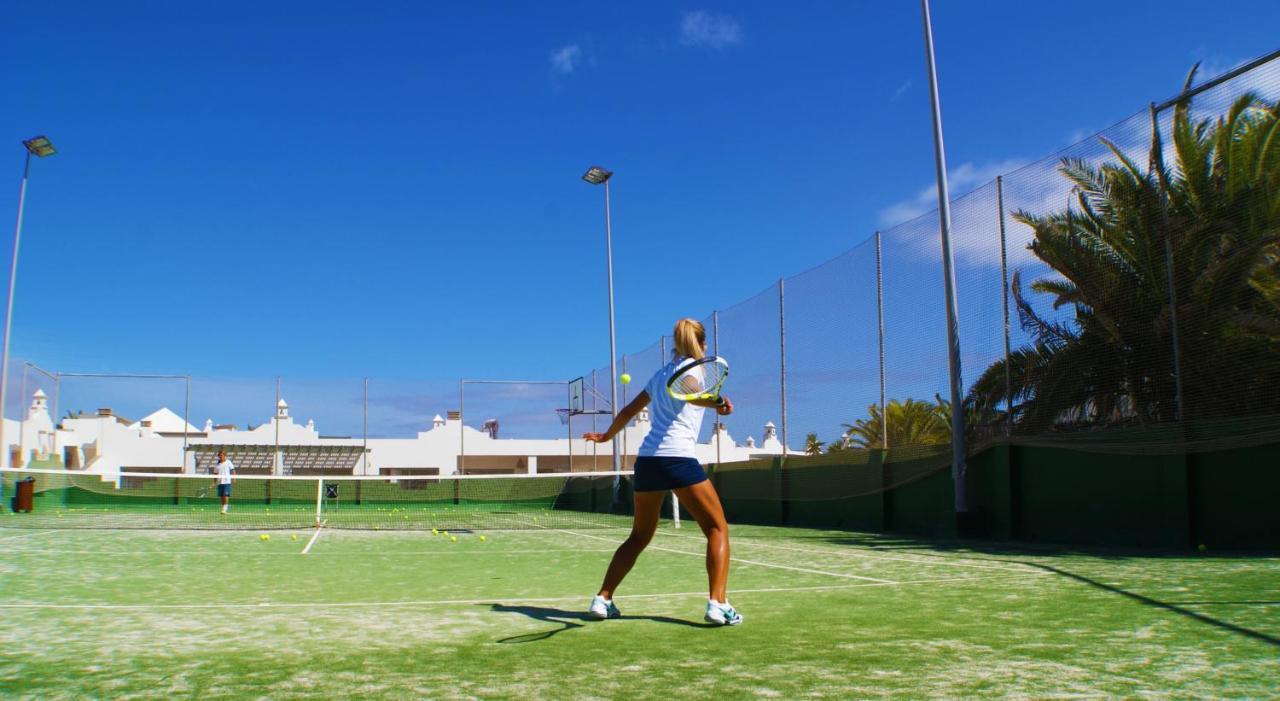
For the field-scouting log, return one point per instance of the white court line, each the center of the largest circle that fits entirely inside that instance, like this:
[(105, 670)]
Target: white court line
[(28, 535), (240, 553), (492, 599), (735, 559), (747, 540), (313, 538)]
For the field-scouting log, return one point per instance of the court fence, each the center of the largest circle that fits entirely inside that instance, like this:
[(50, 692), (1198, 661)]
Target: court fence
[(1131, 280)]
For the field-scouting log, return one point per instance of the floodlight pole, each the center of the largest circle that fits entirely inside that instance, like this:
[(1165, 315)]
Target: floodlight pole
[(613, 353), (38, 146), (949, 281), (599, 176)]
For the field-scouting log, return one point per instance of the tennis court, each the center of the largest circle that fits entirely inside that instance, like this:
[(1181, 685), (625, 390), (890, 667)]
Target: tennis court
[(160, 613)]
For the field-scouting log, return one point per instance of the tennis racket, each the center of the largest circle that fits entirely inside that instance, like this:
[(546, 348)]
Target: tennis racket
[(700, 380)]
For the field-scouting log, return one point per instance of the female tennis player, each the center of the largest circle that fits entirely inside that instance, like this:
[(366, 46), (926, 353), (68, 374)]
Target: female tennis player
[(666, 462)]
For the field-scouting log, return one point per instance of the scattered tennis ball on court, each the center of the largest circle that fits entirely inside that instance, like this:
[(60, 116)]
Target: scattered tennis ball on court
[(264, 536), (295, 536), (626, 379), (435, 532), (453, 539), (482, 539)]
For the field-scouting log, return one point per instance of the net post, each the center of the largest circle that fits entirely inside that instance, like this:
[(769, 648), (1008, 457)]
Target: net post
[(319, 498), (884, 414), (1004, 285)]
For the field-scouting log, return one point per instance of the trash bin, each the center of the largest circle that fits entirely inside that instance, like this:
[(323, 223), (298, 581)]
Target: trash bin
[(24, 491)]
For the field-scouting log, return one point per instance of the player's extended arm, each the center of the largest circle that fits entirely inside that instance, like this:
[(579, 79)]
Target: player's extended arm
[(723, 409), (622, 419)]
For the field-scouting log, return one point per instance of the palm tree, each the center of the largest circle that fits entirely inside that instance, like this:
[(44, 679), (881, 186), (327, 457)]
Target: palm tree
[(1216, 214), (910, 423), (812, 446)]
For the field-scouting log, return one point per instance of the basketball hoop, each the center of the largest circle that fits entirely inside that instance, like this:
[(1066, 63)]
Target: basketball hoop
[(564, 415)]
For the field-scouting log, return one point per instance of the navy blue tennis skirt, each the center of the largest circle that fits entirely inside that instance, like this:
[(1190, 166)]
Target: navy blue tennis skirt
[(657, 474)]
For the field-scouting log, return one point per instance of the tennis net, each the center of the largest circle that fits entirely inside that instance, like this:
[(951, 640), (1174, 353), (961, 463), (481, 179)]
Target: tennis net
[(71, 499)]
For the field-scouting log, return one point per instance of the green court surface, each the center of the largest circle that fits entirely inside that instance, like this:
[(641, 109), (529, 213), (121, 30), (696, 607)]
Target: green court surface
[(829, 615)]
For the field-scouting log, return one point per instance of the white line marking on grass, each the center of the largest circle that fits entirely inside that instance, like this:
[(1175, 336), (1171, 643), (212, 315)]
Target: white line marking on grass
[(493, 599), (312, 541), (736, 559), (948, 562), (28, 535), (241, 553)]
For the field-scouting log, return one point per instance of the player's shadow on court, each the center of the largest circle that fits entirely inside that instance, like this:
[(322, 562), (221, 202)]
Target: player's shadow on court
[(569, 620)]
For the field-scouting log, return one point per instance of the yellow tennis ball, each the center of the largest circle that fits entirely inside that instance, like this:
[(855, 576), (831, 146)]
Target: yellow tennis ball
[(445, 532), (453, 539), (295, 536), (626, 379), (264, 536), (481, 539)]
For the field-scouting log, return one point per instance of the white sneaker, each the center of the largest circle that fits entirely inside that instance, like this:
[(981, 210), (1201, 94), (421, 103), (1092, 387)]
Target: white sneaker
[(602, 609), (722, 614)]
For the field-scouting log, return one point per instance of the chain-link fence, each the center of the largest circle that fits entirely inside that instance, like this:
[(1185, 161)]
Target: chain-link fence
[(1132, 279)]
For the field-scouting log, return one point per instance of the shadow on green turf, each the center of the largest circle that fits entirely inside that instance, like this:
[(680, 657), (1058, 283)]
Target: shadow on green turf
[(567, 620), (1009, 552)]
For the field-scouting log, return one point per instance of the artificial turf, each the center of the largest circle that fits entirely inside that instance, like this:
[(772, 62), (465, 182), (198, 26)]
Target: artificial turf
[(829, 614)]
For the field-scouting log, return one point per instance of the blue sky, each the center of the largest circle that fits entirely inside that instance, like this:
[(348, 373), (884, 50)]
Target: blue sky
[(325, 190)]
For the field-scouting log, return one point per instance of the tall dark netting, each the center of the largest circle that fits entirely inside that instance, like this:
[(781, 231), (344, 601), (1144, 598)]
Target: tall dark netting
[(833, 367), (749, 339)]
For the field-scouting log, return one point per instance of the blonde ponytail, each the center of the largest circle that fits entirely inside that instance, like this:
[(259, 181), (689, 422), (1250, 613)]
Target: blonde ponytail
[(690, 338)]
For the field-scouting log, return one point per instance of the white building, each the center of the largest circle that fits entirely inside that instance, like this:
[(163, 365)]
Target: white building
[(162, 441)]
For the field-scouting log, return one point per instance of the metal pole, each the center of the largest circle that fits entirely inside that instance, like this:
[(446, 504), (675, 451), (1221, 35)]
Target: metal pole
[(22, 419), (884, 410), (782, 357), (949, 282), (186, 423), (364, 452), (8, 315), (462, 427), (715, 344), (1004, 285), (613, 355), (569, 427), (277, 468), (595, 447), (624, 399), (57, 393), (1173, 327)]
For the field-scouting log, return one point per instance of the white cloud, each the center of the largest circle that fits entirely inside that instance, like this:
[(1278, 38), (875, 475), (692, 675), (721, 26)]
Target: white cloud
[(902, 90), (566, 59), (705, 29), (960, 180), (1212, 66)]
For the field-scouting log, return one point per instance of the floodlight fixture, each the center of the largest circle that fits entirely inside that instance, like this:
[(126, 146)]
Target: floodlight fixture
[(597, 175), (40, 146)]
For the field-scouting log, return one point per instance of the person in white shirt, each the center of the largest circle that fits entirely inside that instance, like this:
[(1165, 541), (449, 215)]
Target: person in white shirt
[(225, 472), (666, 462)]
